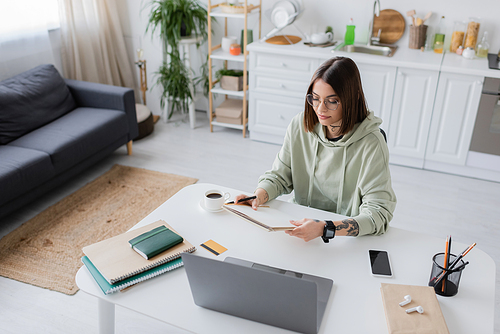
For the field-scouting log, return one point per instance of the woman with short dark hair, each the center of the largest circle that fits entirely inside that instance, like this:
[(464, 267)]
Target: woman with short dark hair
[(334, 158)]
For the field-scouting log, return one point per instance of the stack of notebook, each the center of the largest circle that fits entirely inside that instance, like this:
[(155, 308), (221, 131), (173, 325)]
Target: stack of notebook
[(117, 263)]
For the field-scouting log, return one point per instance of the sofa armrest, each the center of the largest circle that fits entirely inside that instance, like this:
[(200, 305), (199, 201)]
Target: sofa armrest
[(95, 95)]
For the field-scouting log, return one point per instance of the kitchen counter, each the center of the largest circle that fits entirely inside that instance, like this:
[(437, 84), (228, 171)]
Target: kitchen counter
[(403, 57), (454, 63)]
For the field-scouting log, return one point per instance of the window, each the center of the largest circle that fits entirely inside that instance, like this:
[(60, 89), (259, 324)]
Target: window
[(19, 17)]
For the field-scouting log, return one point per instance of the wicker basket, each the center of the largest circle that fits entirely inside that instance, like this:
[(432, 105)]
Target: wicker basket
[(417, 36), (235, 9)]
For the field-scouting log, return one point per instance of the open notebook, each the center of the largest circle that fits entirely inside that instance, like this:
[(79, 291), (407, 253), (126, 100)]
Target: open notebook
[(261, 218), (116, 260)]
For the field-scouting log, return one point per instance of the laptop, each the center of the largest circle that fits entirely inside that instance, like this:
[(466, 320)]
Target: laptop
[(273, 296)]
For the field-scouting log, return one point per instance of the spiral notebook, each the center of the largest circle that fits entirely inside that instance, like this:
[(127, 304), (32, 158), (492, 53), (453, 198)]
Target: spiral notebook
[(116, 260), (110, 288)]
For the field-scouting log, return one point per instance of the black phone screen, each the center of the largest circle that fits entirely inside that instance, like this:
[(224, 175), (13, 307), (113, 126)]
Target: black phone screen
[(379, 261)]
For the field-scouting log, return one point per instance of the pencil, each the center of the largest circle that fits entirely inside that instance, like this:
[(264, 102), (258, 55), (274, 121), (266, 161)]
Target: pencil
[(446, 255)]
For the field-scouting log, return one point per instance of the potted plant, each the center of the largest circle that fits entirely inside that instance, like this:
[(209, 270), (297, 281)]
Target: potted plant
[(230, 79), (173, 19)]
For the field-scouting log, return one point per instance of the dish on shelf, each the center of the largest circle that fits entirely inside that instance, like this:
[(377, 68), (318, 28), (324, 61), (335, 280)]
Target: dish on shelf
[(283, 13)]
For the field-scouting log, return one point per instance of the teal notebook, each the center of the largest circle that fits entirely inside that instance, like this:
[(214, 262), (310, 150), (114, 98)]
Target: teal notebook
[(110, 288), (154, 242)]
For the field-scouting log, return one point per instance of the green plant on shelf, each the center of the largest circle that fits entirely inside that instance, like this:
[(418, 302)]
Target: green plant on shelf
[(175, 80), (175, 19), (228, 72)]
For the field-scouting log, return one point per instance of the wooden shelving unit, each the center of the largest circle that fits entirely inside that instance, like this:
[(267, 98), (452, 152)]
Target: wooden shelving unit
[(215, 52)]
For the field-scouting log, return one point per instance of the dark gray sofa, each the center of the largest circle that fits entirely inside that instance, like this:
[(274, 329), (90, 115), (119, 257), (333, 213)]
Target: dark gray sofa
[(52, 129)]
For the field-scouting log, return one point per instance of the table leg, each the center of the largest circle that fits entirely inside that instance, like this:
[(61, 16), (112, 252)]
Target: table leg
[(106, 317)]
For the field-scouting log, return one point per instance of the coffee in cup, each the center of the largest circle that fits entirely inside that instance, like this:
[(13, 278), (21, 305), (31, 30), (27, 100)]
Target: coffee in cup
[(214, 199)]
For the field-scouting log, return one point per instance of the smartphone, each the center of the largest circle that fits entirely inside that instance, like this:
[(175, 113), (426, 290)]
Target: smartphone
[(380, 263)]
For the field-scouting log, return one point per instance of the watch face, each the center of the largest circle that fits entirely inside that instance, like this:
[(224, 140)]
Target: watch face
[(329, 234)]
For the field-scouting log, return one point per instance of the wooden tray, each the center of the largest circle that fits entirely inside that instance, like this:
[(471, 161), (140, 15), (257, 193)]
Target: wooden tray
[(392, 24)]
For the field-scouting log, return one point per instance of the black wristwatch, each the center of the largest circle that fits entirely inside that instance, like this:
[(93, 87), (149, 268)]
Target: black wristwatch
[(328, 231)]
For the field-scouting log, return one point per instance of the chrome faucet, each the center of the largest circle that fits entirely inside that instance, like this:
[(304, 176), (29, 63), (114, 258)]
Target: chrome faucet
[(376, 12)]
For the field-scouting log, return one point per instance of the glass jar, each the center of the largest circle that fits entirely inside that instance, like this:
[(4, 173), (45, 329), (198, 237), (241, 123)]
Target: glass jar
[(457, 37), (472, 33)]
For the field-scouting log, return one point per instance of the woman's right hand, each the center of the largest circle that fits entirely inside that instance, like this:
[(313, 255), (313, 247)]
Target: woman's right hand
[(261, 198)]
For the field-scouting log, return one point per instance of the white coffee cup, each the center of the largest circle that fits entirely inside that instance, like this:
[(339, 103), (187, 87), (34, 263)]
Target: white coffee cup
[(227, 41), (214, 199), (321, 38)]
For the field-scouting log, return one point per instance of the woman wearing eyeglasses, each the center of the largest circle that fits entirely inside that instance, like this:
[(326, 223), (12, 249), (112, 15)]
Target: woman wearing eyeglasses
[(335, 158)]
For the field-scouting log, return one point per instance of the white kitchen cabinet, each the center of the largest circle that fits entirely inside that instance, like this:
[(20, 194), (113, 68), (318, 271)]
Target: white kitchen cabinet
[(278, 85), (271, 116), (455, 109), (378, 86), (411, 115)]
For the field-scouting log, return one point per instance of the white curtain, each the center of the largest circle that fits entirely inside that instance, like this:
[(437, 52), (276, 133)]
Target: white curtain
[(24, 37), (93, 46)]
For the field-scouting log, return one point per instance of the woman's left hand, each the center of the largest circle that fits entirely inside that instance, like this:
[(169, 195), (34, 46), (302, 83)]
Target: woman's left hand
[(307, 229)]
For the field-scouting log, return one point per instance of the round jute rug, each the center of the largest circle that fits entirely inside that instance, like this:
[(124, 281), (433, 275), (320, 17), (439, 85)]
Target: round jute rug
[(46, 250)]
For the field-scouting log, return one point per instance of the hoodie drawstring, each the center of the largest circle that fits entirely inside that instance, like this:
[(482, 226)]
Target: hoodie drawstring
[(311, 176), (341, 184)]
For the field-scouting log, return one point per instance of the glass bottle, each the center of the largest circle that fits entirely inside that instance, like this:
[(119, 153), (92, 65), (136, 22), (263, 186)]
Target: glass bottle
[(483, 47), (439, 37)]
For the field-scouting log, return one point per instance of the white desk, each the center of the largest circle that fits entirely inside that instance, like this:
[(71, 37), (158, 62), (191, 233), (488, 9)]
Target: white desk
[(355, 304)]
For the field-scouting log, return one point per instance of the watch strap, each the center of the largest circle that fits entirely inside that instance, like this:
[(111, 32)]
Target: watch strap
[(328, 231)]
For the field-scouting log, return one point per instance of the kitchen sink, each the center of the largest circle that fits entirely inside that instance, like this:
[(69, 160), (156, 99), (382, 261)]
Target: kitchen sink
[(380, 50)]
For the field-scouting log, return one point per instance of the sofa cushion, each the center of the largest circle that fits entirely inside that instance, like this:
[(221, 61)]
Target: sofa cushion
[(32, 99), (76, 135), (21, 170)]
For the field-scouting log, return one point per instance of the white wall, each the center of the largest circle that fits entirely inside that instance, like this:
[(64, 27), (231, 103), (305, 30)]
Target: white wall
[(318, 14)]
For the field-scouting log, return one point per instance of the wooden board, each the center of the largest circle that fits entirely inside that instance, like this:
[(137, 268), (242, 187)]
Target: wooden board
[(392, 24), (281, 40)]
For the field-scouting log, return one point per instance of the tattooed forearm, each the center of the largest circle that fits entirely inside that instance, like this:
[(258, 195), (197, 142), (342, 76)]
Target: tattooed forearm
[(350, 225), (266, 197)]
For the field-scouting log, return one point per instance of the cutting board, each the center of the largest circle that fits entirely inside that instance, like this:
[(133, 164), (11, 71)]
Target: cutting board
[(392, 24), (281, 40)]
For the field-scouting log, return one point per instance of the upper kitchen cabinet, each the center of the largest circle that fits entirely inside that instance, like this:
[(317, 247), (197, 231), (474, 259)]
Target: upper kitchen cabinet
[(378, 86), (455, 109), (411, 115)]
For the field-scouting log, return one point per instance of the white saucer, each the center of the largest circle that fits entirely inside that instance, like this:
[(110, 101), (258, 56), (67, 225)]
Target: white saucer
[(202, 204)]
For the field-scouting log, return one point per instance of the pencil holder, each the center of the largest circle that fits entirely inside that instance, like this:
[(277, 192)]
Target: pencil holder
[(448, 286), (417, 36)]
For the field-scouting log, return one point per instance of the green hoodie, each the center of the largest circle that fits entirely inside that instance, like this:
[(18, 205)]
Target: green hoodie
[(350, 177)]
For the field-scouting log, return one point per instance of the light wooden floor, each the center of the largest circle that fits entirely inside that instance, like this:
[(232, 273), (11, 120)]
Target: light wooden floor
[(434, 203)]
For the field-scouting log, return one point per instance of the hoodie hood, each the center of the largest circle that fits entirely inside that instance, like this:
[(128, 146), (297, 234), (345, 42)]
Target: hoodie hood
[(370, 124)]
